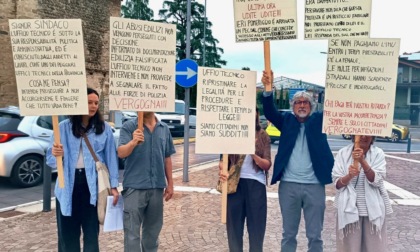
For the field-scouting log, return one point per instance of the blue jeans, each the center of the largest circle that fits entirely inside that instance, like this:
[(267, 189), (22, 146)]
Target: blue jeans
[(294, 197), (143, 209)]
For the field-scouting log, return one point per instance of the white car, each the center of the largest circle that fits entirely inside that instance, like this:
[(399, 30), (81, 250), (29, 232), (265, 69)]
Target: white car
[(193, 118), (23, 144)]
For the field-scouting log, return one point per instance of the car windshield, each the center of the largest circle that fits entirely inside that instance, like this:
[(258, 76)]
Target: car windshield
[(179, 109)]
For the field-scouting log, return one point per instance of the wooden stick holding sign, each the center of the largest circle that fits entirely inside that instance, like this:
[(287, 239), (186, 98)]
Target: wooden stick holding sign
[(140, 121), (59, 159), (267, 63), (224, 188), (356, 145)]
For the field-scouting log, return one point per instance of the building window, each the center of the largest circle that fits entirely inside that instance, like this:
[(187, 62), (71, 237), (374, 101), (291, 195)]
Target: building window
[(415, 95), (416, 75)]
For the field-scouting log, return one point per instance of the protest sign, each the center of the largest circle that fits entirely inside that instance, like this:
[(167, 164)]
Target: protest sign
[(142, 65), (340, 18), (49, 64), (360, 86), (226, 101), (261, 20)]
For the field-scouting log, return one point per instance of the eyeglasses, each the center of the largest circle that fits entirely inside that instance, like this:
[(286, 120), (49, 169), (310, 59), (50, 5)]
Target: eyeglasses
[(301, 103)]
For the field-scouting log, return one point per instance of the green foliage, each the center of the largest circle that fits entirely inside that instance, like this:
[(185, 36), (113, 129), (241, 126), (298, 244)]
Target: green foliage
[(286, 102), (259, 101), (175, 12), (202, 40), (137, 9)]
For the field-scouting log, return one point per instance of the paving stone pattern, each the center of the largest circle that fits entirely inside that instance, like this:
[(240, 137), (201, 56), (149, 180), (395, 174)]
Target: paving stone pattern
[(192, 220)]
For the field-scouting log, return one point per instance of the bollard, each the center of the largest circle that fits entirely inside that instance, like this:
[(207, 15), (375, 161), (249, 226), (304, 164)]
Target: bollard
[(46, 188), (409, 144)]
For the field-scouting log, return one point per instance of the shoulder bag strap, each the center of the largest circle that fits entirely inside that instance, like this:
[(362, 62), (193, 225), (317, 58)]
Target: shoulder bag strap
[(90, 148)]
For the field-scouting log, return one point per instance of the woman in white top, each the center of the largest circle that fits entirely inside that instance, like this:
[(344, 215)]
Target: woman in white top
[(362, 201), (249, 173)]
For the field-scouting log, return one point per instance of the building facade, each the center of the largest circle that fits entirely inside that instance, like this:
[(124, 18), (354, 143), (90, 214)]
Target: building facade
[(95, 22), (407, 97)]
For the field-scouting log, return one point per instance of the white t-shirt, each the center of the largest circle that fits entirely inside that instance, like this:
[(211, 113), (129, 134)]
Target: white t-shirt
[(248, 171)]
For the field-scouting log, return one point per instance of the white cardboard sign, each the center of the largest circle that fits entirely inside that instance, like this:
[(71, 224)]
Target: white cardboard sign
[(360, 86), (142, 65), (341, 18), (259, 20), (226, 101), (48, 55)]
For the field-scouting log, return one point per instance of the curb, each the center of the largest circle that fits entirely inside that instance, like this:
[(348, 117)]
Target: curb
[(181, 140)]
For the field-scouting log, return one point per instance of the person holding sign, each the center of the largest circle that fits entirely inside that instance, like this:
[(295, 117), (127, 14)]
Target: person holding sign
[(76, 202), (249, 173), (147, 180), (303, 166), (361, 198)]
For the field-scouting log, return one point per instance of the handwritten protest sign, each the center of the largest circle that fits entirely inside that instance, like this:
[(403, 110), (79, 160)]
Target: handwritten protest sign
[(142, 65), (225, 111), (259, 20), (360, 86), (49, 64), (340, 18)]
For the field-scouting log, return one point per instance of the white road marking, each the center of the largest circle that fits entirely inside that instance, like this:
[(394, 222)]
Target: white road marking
[(406, 198), (403, 159)]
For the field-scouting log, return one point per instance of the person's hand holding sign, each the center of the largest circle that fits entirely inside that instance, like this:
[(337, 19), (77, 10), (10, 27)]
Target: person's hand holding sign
[(138, 137), (358, 155), (57, 150), (267, 80), (223, 176)]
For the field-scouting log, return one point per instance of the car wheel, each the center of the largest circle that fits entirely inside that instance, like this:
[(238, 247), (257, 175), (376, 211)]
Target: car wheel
[(346, 136), (395, 137), (27, 171)]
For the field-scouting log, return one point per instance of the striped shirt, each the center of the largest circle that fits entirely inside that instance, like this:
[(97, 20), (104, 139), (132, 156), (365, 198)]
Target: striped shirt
[(344, 160)]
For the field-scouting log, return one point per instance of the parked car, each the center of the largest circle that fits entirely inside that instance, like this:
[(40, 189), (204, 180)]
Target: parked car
[(263, 122), (193, 118), (23, 143), (127, 115), (399, 132), (174, 120), (272, 131)]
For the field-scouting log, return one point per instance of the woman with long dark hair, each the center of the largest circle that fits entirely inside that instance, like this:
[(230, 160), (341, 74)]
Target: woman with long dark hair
[(249, 173), (76, 208)]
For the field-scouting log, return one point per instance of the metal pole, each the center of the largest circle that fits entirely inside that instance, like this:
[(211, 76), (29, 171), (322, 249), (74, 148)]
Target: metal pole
[(46, 202), (204, 33), (187, 99), (409, 144)]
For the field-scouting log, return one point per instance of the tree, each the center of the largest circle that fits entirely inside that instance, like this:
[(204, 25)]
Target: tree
[(137, 9), (175, 12)]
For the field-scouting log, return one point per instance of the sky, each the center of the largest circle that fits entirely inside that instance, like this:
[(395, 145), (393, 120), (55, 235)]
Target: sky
[(302, 59)]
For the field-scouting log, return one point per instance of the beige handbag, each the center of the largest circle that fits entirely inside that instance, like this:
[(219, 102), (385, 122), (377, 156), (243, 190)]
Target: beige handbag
[(104, 187), (234, 176)]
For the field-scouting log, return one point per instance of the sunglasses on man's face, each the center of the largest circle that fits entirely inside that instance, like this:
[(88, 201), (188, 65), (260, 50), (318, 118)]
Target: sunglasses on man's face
[(301, 103)]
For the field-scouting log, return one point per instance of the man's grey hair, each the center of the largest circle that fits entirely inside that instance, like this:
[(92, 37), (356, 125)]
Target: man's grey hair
[(307, 97)]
